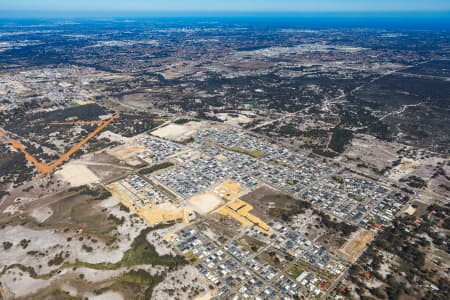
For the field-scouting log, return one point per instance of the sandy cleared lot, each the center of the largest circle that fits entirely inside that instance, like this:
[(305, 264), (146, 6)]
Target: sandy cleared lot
[(235, 121), (406, 167), (122, 194), (41, 214), (207, 296), (229, 190), (173, 132), (410, 210), (20, 284), (205, 203), (78, 175), (354, 246), (163, 213), (126, 152), (113, 136), (106, 296), (408, 164)]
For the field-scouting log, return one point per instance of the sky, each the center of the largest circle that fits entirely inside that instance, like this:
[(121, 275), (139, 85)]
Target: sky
[(225, 5)]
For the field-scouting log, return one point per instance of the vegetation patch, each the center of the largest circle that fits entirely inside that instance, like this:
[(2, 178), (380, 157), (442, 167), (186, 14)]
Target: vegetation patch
[(344, 228), (187, 141), (341, 137), (254, 153), (414, 182), (155, 168), (141, 252), (139, 280), (98, 192), (191, 257), (407, 242), (295, 271)]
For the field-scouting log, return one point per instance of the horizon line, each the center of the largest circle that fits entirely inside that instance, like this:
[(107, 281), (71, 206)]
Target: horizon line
[(230, 11)]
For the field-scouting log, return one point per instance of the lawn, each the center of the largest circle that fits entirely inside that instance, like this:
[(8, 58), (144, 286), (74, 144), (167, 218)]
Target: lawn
[(295, 271), (254, 153), (191, 257)]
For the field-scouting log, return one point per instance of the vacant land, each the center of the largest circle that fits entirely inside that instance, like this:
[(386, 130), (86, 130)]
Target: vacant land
[(79, 212), (276, 258), (126, 151), (173, 132), (268, 203), (205, 203), (165, 213), (77, 175), (220, 227), (241, 211), (356, 244)]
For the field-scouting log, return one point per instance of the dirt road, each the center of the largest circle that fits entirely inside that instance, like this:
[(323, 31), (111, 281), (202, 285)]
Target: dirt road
[(44, 168)]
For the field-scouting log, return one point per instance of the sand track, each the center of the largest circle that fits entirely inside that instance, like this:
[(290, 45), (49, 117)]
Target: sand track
[(44, 168)]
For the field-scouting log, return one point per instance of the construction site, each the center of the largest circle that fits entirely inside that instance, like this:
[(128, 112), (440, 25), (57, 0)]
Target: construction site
[(230, 191), (240, 211), (155, 206), (145, 200)]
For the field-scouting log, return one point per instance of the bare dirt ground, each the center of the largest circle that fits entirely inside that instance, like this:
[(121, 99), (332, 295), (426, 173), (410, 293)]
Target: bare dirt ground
[(41, 190), (19, 284), (205, 203), (125, 152), (107, 173), (174, 132), (234, 120), (422, 167), (420, 208), (331, 240), (113, 137), (137, 101), (308, 225), (375, 154), (166, 212), (41, 214), (103, 165), (263, 198), (77, 175), (209, 295), (356, 244), (228, 190), (80, 282), (106, 296), (219, 226)]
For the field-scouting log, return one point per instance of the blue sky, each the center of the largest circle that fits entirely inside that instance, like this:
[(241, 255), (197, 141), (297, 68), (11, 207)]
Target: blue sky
[(225, 5)]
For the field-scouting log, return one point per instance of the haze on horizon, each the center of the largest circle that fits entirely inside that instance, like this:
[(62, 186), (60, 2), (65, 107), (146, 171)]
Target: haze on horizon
[(225, 5)]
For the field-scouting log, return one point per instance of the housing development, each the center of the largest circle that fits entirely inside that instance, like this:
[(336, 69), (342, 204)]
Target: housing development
[(226, 177)]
